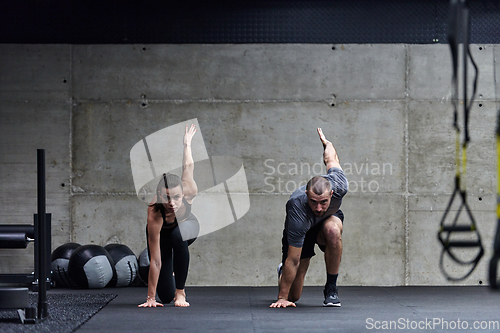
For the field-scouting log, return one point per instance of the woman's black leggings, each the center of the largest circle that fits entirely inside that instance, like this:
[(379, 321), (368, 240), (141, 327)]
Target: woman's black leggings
[(174, 258)]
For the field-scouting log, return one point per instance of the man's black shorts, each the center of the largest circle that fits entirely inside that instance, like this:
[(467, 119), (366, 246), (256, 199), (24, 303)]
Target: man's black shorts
[(309, 241)]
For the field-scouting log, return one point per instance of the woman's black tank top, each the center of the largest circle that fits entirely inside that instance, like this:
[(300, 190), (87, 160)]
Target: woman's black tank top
[(174, 224)]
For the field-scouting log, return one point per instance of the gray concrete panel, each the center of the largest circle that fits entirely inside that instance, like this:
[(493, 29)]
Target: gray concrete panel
[(432, 143), (373, 241), (373, 72), (107, 219), (239, 72), (430, 71), (35, 72)]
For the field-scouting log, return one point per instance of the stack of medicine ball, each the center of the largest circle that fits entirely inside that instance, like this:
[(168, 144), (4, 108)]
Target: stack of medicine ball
[(93, 266)]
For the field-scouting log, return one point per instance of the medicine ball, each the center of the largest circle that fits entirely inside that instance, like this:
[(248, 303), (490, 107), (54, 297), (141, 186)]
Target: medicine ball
[(59, 264), (144, 266), (91, 266), (126, 267)]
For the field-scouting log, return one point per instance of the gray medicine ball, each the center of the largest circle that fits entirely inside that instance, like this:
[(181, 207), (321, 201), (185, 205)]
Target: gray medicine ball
[(91, 266), (126, 266), (59, 265)]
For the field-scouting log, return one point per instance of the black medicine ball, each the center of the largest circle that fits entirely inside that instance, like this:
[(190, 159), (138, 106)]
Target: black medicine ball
[(59, 264), (91, 266)]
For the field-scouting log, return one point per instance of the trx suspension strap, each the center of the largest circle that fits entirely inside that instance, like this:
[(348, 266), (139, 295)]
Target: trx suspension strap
[(494, 283), (459, 26)]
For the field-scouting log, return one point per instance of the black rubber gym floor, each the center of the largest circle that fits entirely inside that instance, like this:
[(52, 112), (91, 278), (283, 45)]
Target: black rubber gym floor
[(246, 309)]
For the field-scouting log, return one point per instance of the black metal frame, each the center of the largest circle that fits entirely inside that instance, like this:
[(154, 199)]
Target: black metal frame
[(41, 232)]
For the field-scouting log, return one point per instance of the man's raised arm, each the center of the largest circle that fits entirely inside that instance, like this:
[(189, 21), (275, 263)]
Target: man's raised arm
[(330, 156)]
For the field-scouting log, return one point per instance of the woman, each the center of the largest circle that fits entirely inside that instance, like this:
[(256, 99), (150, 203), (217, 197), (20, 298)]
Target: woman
[(171, 228)]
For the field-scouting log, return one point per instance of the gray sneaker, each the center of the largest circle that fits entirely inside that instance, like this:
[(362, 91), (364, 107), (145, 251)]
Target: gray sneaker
[(331, 296)]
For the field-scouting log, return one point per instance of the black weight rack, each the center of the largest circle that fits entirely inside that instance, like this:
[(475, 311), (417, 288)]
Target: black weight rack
[(14, 288)]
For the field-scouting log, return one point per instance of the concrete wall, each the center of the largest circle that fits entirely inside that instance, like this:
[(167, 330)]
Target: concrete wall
[(386, 108)]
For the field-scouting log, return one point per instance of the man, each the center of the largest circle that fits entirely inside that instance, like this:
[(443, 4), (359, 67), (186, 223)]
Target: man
[(313, 217)]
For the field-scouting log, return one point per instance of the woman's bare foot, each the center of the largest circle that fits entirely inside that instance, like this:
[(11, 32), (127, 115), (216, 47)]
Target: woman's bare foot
[(180, 298)]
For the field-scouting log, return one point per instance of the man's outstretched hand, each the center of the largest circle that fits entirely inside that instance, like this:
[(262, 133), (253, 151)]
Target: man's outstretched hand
[(322, 137), (330, 156), (282, 303)]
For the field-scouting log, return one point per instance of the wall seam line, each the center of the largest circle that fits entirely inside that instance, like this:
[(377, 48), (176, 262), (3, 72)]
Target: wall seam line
[(71, 222), (407, 153)]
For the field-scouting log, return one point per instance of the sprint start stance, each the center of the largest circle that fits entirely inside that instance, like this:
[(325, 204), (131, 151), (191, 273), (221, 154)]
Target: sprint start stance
[(171, 228), (313, 217)]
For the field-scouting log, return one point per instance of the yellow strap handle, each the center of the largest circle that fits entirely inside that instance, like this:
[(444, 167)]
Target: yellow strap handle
[(461, 163)]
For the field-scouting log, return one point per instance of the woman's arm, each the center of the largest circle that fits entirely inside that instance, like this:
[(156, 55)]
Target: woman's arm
[(154, 228), (188, 183)]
